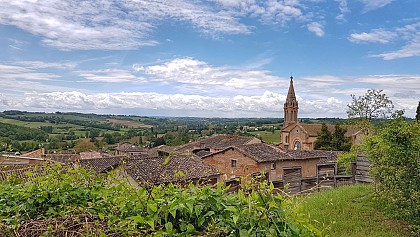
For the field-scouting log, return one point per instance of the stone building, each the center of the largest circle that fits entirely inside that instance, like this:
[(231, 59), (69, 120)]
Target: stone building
[(252, 159), (297, 136)]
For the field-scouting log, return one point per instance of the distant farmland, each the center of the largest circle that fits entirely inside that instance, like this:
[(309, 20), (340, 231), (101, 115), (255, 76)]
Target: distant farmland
[(128, 123), (268, 137)]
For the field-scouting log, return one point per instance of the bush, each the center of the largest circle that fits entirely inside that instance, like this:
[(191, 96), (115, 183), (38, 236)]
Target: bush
[(115, 208), (394, 153)]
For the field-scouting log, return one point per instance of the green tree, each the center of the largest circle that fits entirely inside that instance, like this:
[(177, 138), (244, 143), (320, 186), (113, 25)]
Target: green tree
[(324, 139), (418, 113), (394, 154), (374, 104), (85, 145), (339, 141)]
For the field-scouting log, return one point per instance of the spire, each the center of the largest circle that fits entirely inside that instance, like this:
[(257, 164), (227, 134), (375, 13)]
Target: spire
[(291, 94), (290, 106)]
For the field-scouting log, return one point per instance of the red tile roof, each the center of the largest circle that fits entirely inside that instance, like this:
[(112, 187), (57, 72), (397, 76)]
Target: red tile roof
[(100, 165), (262, 152), (178, 168)]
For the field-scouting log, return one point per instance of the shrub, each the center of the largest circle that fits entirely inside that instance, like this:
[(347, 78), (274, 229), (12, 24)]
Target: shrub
[(394, 153), (112, 207)]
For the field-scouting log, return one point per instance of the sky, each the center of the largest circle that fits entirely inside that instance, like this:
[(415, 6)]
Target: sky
[(207, 58)]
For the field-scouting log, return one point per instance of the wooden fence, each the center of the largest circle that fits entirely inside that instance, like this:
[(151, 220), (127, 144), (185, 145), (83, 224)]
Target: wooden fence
[(327, 177)]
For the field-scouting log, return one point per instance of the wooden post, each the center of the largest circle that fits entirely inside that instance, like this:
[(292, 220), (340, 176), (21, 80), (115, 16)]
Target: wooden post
[(353, 171)]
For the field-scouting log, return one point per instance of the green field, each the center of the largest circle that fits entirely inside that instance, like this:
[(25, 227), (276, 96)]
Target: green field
[(268, 137), (350, 211)]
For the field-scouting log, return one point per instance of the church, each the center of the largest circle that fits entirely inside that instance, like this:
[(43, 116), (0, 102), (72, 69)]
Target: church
[(296, 136)]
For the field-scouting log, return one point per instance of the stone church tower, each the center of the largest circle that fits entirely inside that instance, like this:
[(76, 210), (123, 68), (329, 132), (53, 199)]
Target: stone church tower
[(296, 136), (290, 106)]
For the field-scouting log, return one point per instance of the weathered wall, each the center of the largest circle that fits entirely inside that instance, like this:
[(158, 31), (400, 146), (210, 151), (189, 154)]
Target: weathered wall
[(222, 161), (308, 168)]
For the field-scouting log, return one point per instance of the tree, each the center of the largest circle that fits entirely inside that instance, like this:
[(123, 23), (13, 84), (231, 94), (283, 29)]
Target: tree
[(336, 141), (418, 113), (324, 139), (85, 145), (339, 141), (374, 104), (395, 163)]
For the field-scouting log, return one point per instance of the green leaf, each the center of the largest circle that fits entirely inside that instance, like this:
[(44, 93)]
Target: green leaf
[(137, 219), (198, 210), (231, 209), (243, 233), (167, 160), (169, 228), (235, 218), (152, 207), (151, 223)]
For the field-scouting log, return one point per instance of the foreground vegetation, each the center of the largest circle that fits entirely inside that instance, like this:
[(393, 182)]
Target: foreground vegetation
[(76, 202), (395, 162), (350, 211)]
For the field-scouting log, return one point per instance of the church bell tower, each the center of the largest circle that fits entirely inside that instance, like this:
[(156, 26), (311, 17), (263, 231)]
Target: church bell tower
[(290, 106)]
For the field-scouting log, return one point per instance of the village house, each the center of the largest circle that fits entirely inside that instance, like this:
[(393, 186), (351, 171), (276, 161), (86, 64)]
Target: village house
[(129, 150), (297, 136), (205, 146), (252, 159)]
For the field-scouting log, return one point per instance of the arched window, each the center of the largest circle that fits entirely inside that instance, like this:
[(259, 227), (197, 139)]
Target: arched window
[(297, 146)]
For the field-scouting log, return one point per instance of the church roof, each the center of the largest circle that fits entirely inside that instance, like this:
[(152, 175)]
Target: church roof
[(313, 129)]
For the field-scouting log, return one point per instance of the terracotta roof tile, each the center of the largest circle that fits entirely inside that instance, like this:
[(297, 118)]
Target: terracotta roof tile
[(129, 148), (262, 152), (20, 171), (325, 156), (217, 142), (62, 158), (100, 165), (179, 168)]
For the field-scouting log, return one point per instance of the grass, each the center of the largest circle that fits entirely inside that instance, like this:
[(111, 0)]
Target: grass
[(350, 211), (268, 137)]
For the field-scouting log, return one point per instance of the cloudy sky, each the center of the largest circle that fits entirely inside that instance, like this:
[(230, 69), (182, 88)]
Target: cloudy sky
[(213, 58)]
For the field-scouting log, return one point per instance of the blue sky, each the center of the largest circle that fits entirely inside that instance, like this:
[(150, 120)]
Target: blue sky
[(213, 58)]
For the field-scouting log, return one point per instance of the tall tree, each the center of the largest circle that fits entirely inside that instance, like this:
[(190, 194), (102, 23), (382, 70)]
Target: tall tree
[(374, 104), (339, 141), (324, 139), (418, 113)]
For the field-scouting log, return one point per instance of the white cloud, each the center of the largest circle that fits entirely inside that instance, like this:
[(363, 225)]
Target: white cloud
[(370, 5), (12, 72), (411, 49), (269, 104), (110, 75), (121, 25), (96, 24), (375, 36), (342, 5), (41, 64), (199, 76), (408, 34), (316, 28)]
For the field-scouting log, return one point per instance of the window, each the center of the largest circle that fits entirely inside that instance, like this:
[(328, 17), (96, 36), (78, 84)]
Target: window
[(287, 139), (297, 146), (273, 165), (233, 163)]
